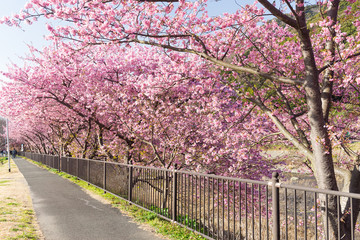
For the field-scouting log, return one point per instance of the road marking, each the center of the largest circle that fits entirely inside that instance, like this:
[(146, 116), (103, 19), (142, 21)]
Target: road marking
[(87, 203)]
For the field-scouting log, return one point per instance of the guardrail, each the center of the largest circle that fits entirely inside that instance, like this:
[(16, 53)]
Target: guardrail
[(218, 207)]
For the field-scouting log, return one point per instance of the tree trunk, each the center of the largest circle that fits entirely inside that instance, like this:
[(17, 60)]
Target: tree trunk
[(320, 141), (127, 156), (352, 207), (166, 191)]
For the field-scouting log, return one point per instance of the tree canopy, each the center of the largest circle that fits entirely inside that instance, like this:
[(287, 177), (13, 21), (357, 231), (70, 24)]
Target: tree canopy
[(170, 84)]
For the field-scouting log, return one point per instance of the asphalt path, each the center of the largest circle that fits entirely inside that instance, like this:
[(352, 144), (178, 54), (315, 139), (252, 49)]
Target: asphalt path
[(65, 212)]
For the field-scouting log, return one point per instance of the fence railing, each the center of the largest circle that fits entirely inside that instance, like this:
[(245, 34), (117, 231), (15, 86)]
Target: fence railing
[(219, 207)]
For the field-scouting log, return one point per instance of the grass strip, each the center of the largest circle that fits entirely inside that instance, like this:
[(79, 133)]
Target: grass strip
[(16, 217)]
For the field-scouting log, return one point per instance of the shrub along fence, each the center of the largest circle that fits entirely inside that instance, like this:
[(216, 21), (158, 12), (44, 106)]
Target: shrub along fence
[(216, 207)]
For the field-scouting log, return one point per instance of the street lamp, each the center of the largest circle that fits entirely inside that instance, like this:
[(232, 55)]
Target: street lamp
[(7, 140), (8, 143)]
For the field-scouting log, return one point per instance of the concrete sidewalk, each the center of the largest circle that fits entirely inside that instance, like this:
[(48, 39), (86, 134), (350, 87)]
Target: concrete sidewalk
[(65, 212)]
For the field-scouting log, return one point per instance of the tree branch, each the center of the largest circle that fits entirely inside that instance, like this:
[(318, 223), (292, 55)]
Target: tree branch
[(339, 60), (283, 130), (218, 62), (277, 13)]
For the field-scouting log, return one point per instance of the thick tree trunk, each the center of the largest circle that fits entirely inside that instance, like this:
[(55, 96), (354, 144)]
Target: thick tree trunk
[(321, 146), (319, 103), (320, 141)]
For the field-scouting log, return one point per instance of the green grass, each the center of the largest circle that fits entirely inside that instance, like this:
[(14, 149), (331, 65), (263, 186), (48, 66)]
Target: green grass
[(3, 160), (24, 236), (23, 219), (2, 183), (16, 215), (13, 204), (6, 212), (160, 226)]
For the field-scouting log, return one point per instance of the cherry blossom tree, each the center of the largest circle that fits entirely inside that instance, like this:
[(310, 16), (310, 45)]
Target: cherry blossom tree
[(155, 106), (175, 112), (297, 74)]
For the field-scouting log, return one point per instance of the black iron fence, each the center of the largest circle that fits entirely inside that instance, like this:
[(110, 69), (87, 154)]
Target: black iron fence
[(221, 207)]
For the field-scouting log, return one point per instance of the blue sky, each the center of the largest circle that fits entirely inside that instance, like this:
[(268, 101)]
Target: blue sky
[(13, 41)]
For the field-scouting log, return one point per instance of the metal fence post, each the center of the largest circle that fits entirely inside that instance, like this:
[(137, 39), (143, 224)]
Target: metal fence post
[(130, 183), (275, 206), (104, 182), (88, 172), (77, 168), (174, 194), (59, 162)]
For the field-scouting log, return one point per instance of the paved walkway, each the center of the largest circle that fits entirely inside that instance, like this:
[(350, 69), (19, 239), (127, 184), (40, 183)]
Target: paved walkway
[(65, 212)]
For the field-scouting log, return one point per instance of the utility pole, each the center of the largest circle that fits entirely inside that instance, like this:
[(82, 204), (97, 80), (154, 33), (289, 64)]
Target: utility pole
[(8, 143), (7, 140)]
